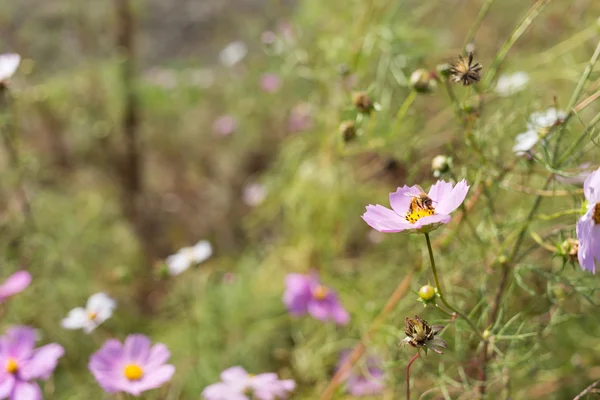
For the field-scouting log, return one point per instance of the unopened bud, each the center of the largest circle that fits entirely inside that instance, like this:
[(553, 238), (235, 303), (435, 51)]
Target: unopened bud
[(569, 248), (427, 292), (441, 164), (348, 131), (486, 334), (362, 102), (422, 81)]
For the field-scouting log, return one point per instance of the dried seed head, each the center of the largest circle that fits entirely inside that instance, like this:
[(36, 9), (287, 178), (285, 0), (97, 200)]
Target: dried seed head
[(362, 102), (348, 131), (422, 335), (463, 70)]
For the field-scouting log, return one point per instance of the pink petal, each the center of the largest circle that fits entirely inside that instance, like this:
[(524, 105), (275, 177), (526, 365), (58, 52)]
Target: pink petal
[(15, 283), (22, 341), (42, 363), (450, 201), (319, 310), (155, 379), (384, 220), (591, 187), (26, 391), (339, 314), (159, 354), (297, 293), (587, 243), (7, 384), (234, 375), (137, 348), (432, 219), (401, 198), (438, 191)]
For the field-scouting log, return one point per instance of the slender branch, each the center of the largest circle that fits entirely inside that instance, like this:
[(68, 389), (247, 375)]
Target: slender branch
[(412, 360), (475, 27), (586, 390)]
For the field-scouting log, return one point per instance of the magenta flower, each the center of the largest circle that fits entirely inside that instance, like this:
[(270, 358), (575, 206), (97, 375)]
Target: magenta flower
[(237, 384), (367, 380), (416, 212), (21, 363), (15, 283), (305, 294), (588, 226), (133, 367), (270, 82), (301, 118)]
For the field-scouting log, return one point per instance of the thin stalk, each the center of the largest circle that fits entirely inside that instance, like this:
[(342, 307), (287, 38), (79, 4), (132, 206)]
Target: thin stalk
[(403, 110), (412, 360), (475, 27), (512, 39), (441, 293)]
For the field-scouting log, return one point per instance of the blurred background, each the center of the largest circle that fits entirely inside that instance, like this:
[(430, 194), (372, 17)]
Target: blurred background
[(136, 128)]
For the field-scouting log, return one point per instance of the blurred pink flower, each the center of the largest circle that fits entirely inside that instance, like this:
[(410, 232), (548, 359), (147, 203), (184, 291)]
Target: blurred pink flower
[(588, 226), (22, 364), (408, 216), (224, 125), (301, 118), (15, 283), (270, 82), (237, 384), (305, 294), (254, 194), (133, 367), (365, 380)]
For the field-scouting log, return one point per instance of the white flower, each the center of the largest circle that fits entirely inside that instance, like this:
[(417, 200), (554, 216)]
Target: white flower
[(538, 127), (233, 53), (98, 309), (511, 84), (254, 194), (9, 63), (187, 256)]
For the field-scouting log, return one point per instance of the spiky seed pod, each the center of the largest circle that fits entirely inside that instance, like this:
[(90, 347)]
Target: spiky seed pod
[(463, 70)]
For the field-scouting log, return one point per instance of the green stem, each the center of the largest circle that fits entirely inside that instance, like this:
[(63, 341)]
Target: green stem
[(403, 110), (482, 13), (441, 293)]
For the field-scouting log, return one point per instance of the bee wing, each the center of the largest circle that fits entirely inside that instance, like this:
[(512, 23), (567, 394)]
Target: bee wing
[(420, 189)]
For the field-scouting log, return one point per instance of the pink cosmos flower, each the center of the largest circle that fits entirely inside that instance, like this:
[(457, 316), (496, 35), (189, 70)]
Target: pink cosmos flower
[(270, 82), (365, 380), (21, 363), (588, 226), (237, 384), (224, 125), (133, 367), (305, 294), (15, 283), (410, 215)]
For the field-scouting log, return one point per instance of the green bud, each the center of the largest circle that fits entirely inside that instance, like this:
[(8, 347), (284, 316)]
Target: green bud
[(427, 292)]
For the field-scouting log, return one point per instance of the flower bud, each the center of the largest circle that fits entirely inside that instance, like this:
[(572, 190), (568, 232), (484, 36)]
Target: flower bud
[(422, 81), (441, 164), (569, 248), (427, 292), (444, 70), (362, 102), (348, 131), (486, 334)]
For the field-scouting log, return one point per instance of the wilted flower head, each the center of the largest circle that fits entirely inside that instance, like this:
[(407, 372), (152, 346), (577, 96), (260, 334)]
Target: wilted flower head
[(224, 125), (364, 380), (570, 248), (233, 53), (305, 294), (420, 334), (254, 194), (185, 257), (348, 131), (539, 126), (9, 63), (363, 102), (21, 364), (510, 84), (463, 70), (98, 309), (413, 211), (588, 226), (423, 81), (301, 118), (237, 384), (133, 367), (15, 283), (270, 82)]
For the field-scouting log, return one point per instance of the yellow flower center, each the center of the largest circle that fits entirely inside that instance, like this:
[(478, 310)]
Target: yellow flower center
[(133, 372), (320, 292), (92, 315), (416, 214), (11, 366), (596, 213)]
